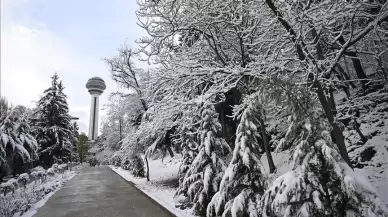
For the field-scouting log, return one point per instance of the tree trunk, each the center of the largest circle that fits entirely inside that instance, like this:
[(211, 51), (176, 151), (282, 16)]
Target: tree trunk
[(358, 67), (170, 151), (222, 116), (332, 101), (120, 129), (318, 46), (356, 63), (271, 164), (148, 169), (144, 104), (357, 127), (337, 132)]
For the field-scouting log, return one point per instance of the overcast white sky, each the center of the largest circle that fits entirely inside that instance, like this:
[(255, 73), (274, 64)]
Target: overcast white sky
[(39, 37)]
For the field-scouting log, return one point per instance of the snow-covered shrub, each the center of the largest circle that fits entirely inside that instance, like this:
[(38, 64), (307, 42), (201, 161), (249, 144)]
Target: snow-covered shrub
[(51, 171), (42, 174), (34, 175), (62, 168), (7, 187), (204, 175), (36, 169), (321, 183), (137, 166), (23, 179), (14, 182), (55, 167), (37, 173), (134, 164), (20, 200), (116, 159)]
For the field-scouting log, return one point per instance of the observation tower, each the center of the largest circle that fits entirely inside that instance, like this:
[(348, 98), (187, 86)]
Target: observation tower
[(96, 87)]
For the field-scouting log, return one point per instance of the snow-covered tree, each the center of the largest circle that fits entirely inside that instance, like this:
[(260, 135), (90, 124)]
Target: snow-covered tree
[(53, 128), (126, 74), (321, 183), (243, 182), (18, 147), (202, 179)]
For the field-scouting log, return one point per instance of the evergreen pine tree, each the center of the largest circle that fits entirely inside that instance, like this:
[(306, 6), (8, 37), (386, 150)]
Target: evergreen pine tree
[(243, 182), (204, 175), (321, 183), (53, 128), (66, 133)]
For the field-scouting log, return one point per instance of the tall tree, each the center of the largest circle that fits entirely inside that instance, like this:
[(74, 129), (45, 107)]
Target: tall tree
[(53, 128)]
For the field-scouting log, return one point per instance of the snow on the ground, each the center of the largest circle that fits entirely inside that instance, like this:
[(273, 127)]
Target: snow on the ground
[(34, 208), (373, 155), (56, 183), (282, 161), (162, 185)]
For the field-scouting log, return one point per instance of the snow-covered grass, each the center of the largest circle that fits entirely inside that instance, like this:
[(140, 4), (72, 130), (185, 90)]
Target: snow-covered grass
[(162, 185), (25, 200)]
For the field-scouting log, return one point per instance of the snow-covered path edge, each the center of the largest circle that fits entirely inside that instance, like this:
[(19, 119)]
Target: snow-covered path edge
[(170, 207), (35, 207)]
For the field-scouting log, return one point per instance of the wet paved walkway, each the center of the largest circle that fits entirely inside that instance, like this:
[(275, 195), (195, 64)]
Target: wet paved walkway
[(100, 192)]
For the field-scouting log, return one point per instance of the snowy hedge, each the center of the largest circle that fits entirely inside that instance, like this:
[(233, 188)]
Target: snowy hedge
[(134, 163), (18, 195)]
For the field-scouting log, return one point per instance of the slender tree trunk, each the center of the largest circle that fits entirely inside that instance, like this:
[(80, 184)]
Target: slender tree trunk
[(120, 129), (357, 127), (337, 131), (144, 104), (271, 164), (148, 169), (332, 101), (222, 116), (170, 151)]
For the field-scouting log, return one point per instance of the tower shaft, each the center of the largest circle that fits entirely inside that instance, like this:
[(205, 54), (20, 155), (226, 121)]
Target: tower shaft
[(93, 123)]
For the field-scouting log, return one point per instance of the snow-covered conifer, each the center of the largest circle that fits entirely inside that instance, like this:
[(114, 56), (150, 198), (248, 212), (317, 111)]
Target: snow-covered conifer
[(53, 128), (243, 182), (321, 183), (202, 179)]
